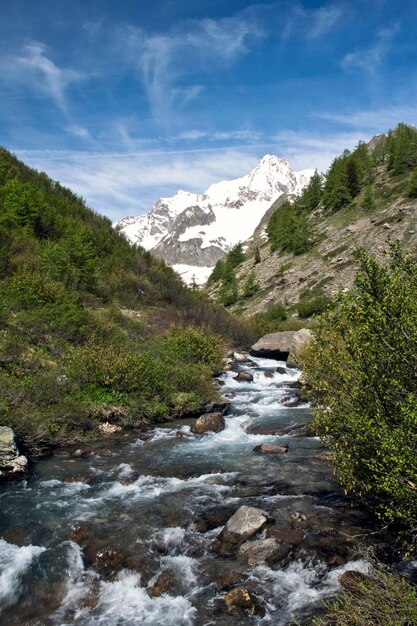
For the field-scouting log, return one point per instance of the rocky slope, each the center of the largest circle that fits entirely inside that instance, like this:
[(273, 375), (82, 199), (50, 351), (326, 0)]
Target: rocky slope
[(330, 264), (191, 232)]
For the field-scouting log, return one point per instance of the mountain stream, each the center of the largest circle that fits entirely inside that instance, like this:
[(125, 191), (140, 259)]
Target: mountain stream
[(131, 538)]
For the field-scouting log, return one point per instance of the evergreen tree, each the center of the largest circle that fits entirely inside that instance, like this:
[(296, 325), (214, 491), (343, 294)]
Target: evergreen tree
[(236, 255), (368, 202), (257, 255), (412, 185), (251, 286), (312, 194)]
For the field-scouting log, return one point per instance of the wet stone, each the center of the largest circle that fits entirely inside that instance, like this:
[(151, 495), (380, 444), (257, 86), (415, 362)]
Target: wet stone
[(299, 520), (244, 377), (229, 580), (240, 599), (80, 533), (270, 448), (210, 422), (164, 584), (263, 551), (243, 524)]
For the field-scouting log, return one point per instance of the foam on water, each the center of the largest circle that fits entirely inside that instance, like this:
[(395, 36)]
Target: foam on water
[(125, 602), (15, 561)]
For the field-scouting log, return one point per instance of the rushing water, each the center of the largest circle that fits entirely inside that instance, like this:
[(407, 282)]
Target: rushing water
[(149, 502)]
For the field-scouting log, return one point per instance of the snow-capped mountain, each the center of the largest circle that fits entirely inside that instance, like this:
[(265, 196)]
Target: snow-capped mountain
[(192, 232)]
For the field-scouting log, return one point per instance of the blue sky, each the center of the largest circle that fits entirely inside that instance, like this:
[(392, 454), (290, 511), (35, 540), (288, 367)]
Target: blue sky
[(125, 101)]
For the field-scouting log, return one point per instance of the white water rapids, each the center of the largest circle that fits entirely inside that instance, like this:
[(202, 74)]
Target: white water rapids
[(147, 501)]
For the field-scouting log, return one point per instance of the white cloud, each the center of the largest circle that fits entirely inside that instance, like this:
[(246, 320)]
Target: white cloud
[(169, 61), (370, 59), (374, 120), (78, 131), (324, 19), (35, 67), (194, 135)]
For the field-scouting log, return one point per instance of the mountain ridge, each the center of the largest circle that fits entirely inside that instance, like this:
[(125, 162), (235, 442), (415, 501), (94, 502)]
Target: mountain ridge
[(194, 231)]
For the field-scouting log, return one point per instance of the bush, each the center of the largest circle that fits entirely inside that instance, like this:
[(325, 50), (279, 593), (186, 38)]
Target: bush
[(316, 306), (362, 375)]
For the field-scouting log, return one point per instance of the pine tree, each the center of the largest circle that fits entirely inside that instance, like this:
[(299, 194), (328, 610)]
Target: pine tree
[(257, 255), (251, 286), (412, 185), (312, 194), (368, 202)]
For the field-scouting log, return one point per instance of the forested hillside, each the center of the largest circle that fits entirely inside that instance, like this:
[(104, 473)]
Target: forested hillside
[(305, 253), (91, 328)]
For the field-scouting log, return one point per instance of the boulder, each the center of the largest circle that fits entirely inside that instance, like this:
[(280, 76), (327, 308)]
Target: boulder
[(281, 370), (243, 524), (270, 448), (244, 377), (268, 374), (12, 463), (240, 357), (263, 551), (300, 340), (274, 345), (209, 422), (240, 599)]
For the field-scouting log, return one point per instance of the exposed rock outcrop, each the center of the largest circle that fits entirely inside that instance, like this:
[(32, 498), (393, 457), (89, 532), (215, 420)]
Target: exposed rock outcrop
[(274, 345), (12, 463)]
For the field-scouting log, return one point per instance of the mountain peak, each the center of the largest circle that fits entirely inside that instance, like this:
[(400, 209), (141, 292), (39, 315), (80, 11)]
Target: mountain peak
[(195, 230)]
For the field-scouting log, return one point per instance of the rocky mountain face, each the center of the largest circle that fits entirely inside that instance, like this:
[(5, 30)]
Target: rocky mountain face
[(192, 232)]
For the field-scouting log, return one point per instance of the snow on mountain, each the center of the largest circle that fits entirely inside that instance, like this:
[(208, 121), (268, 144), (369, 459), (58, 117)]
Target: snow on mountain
[(192, 232)]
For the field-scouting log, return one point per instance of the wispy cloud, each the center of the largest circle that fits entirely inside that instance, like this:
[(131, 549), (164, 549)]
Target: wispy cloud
[(370, 59), (375, 120), (245, 135), (34, 67), (315, 150), (166, 60), (324, 19)]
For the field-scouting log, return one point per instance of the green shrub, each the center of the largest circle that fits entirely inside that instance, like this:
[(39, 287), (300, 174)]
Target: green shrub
[(316, 306), (382, 598), (362, 374)]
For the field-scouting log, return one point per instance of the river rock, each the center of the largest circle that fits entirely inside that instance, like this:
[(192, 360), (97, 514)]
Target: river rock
[(214, 517), (80, 533), (274, 345), (241, 357), (263, 551), (240, 599), (244, 377), (222, 406), (299, 520), (300, 340), (164, 583), (291, 402), (243, 524), (351, 579), (109, 561), (229, 580), (268, 374), (210, 422), (12, 463), (270, 448)]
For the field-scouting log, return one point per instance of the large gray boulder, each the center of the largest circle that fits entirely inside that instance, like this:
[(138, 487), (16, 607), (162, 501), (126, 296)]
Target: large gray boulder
[(300, 340), (243, 524), (12, 463), (274, 345), (263, 551), (210, 422)]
